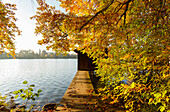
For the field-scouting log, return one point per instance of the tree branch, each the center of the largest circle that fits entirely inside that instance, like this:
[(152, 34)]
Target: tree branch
[(124, 13), (104, 9), (120, 7)]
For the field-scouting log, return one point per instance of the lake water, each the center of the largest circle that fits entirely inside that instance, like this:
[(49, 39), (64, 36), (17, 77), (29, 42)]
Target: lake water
[(53, 76)]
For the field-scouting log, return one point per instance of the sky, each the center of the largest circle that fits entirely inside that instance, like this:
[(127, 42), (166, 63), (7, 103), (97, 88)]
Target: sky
[(25, 10)]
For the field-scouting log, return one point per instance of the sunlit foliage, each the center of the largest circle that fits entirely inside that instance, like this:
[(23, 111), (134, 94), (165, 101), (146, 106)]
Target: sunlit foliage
[(8, 28), (129, 40), (26, 94)]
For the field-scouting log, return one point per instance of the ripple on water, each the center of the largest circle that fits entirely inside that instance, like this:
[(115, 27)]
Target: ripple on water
[(52, 76)]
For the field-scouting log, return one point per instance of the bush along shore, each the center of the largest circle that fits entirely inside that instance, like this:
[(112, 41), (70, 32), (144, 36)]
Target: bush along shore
[(26, 94)]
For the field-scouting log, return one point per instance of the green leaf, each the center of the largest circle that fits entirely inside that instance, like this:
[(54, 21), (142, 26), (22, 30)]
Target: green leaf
[(26, 91), (30, 89), (22, 95), (33, 99), (30, 93), (35, 94), (21, 90), (39, 90), (23, 98), (27, 95), (15, 92), (25, 82), (16, 96), (32, 85)]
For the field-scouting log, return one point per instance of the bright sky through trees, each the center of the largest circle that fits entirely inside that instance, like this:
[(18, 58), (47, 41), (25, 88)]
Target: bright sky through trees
[(26, 9)]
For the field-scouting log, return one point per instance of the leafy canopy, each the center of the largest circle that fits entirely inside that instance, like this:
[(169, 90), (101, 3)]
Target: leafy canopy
[(129, 40), (8, 28)]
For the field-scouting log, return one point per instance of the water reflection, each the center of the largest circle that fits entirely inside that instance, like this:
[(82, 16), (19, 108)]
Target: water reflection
[(53, 76)]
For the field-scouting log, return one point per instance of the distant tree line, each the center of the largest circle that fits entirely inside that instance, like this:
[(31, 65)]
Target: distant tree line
[(30, 54)]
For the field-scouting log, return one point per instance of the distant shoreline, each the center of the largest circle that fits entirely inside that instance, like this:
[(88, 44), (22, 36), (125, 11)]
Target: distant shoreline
[(30, 54), (38, 58)]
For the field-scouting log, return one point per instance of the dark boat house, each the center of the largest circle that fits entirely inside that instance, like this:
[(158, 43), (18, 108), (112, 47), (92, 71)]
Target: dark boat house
[(84, 62)]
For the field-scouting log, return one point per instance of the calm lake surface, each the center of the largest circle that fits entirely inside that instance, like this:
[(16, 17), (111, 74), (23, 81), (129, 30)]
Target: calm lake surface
[(53, 76)]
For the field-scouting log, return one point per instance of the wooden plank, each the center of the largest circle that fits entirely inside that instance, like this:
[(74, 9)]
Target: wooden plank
[(79, 96)]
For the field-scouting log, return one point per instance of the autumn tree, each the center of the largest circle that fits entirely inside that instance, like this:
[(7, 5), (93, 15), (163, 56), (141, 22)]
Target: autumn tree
[(135, 34), (8, 28)]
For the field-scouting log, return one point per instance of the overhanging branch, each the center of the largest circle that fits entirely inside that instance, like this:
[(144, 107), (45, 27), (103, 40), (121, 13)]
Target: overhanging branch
[(124, 13), (104, 9)]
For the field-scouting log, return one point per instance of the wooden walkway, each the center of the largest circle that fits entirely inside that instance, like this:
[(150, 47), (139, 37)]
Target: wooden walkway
[(79, 96)]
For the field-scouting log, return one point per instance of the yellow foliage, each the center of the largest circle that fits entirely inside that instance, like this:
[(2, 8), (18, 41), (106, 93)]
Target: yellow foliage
[(129, 40), (8, 29)]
